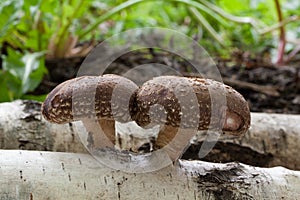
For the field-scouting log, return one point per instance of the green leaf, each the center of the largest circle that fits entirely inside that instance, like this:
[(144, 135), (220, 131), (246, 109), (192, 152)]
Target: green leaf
[(10, 14), (10, 87), (13, 63), (33, 72), (4, 90), (39, 98), (23, 72)]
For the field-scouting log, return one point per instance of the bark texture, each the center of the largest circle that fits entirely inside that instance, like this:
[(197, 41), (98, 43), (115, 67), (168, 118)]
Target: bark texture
[(53, 175), (272, 139), (23, 127)]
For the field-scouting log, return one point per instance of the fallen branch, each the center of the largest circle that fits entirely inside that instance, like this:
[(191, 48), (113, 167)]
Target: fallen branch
[(22, 127), (50, 175), (265, 89)]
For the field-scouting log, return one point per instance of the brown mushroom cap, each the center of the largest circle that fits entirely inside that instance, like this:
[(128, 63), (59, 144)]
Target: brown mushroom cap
[(102, 97), (232, 114)]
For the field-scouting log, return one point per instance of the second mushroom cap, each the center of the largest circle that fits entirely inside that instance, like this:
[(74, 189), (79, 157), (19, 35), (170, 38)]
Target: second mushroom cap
[(191, 103)]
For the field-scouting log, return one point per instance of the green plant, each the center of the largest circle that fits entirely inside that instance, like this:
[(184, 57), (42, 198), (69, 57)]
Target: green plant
[(30, 31), (10, 11), (54, 29), (21, 74), (206, 7), (282, 34), (276, 17)]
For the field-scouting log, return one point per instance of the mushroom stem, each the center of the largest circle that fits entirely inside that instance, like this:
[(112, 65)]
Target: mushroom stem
[(101, 133), (174, 140), (165, 136), (108, 127)]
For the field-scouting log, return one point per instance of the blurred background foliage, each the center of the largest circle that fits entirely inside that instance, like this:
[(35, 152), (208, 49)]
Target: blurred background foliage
[(33, 31)]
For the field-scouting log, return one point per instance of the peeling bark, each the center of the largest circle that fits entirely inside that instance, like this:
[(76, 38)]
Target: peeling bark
[(53, 175)]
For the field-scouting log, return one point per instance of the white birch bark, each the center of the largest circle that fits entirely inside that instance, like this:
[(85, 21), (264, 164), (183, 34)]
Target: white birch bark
[(22, 127), (50, 175), (53, 175), (274, 135)]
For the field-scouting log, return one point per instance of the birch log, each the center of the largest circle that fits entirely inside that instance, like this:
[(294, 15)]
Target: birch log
[(274, 138), (52, 175), (23, 127)]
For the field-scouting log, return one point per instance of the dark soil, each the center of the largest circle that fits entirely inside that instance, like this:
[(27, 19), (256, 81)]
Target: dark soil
[(284, 80), (229, 152)]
